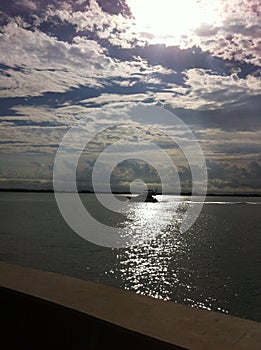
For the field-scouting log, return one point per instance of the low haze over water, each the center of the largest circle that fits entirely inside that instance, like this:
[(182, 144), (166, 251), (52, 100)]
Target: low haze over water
[(215, 265)]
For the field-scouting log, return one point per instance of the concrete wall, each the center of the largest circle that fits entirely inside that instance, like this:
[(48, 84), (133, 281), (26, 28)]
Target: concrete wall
[(44, 310), (32, 323)]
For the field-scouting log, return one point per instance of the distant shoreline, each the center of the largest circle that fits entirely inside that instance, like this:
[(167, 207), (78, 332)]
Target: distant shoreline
[(22, 190)]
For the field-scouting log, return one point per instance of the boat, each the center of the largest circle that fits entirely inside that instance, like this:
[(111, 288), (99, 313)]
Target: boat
[(145, 196)]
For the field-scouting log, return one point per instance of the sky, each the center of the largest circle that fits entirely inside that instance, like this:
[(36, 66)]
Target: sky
[(62, 62)]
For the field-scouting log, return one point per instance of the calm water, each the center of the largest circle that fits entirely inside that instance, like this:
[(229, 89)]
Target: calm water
[(215, 265)]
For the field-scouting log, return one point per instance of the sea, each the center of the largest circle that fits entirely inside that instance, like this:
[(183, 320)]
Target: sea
[(214, 265)]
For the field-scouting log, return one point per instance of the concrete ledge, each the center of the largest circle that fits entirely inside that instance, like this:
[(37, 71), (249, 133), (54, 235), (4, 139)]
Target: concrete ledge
[(44, 309)]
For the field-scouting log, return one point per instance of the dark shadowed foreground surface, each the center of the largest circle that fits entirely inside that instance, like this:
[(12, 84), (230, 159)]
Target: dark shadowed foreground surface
[(51, 310)]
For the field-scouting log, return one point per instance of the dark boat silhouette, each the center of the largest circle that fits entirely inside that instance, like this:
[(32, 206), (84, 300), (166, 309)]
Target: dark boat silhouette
[(145, 196)]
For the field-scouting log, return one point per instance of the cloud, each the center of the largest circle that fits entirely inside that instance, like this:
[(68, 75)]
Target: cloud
[(129, 170), (42, 63), (34, 130), (62, 60), (237, 37), (27, 4), (226, 176), (26, 170), (25, 7), (233, 146), (212, 91), (229, 30)]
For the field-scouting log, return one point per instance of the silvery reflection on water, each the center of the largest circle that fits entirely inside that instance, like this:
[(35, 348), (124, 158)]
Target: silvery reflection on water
[(214, 265)]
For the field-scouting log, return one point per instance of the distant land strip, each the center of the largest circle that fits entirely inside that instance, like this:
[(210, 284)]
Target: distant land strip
[(126, 192)]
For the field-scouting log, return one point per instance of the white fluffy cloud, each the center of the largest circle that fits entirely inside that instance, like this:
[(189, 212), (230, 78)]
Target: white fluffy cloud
[(230, 29), (207, 91), (237, 36), (35, 60), (40, 63)]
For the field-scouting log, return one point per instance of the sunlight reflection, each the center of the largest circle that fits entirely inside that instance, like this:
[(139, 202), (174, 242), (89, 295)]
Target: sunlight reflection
[(146, 268), (161, 266)]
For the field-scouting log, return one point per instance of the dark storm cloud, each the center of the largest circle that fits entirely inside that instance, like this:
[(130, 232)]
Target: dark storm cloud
[(235, 177), (237, 148), (238, 118), (224, 176), (129, 170)]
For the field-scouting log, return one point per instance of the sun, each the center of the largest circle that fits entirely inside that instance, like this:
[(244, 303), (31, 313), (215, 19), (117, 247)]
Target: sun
[(166, 19)]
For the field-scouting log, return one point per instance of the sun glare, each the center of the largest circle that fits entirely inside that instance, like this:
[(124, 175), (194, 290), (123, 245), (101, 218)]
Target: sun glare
[(173, 19)]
